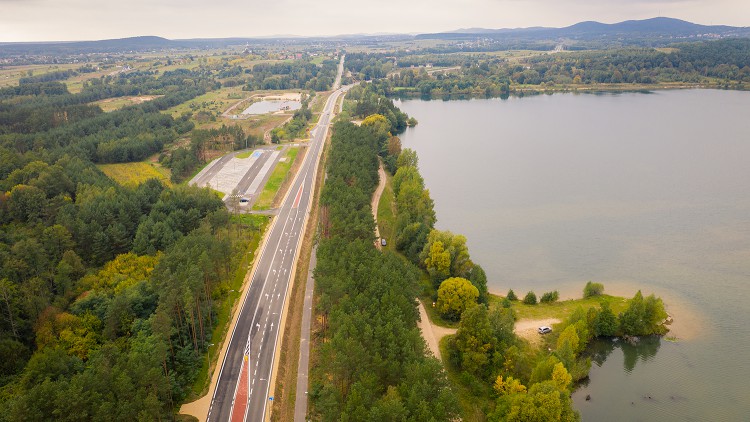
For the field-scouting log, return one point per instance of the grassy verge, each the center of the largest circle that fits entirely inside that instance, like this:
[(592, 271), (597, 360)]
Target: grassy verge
[(278, 177), (245, 154), (132, 174), (253, 226), (386, 215), (563, 309)]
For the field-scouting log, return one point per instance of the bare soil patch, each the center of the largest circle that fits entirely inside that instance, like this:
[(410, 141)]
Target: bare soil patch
[(527, 329)]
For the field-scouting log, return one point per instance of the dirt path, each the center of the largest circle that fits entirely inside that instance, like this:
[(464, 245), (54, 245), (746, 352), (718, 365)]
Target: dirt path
[(432, 333), (376, 201)]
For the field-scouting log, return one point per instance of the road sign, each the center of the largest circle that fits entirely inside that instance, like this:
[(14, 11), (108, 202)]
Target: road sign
[(270, 398)]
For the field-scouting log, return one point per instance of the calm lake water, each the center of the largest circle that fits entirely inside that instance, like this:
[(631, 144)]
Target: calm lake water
[(271, 106), (637, 191)]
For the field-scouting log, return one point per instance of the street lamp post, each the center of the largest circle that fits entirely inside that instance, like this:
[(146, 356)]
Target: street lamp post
[(208, 354)]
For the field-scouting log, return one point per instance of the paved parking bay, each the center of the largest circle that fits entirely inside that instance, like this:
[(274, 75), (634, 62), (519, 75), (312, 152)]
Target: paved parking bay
[(243, 177)]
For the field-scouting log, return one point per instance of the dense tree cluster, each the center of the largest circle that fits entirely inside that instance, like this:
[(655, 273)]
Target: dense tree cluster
[(184, 160), (294, 128), (722, 63), (368, 66), (108, 294), (415, 217), (371, 362), (494, 362), (47, 117), (369, 101), (297, 74), (58, 75)]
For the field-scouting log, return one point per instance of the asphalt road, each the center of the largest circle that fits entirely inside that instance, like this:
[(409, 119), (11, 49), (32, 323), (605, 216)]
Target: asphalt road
[(254, 340)]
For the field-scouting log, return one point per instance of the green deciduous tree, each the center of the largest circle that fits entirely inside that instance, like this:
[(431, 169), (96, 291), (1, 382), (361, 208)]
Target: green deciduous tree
[(643, 316), (478, 278), (455, 245), (455, 295), (593, 289), (407, 158)]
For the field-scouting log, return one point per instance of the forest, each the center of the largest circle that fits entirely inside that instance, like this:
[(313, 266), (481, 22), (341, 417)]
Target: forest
[(371, 362), (110, 295), (293, 75), (719, 64)]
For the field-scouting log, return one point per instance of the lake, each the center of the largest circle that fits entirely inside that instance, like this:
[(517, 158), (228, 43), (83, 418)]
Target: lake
[(643, 191), (272, 106)]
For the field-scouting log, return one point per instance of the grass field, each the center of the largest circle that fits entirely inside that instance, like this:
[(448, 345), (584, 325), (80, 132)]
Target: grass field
[(279, 175), (563, 309), (386, 217), (9, 76), (557, 310), (133, 174), (213, 102)]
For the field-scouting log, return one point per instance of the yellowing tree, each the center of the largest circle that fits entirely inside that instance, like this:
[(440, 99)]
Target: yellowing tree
[(122, 272), (438, 262), (455, 245), (509, 386), (379, 125), (561, 377), (454, 296)]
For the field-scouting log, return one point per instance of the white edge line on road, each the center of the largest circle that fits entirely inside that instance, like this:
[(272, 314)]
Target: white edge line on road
[(331, 102)]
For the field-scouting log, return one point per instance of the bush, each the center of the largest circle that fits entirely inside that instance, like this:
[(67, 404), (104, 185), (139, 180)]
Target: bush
[(505, 303), (550, 297), (511, 295), (530, 298), (593, 289)]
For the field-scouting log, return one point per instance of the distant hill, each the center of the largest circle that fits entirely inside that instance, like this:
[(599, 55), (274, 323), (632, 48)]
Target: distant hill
[(653, 32), (654, 28), (144, 43)]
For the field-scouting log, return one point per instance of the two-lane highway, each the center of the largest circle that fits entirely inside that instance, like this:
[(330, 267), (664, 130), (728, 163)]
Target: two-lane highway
[(241, 393)]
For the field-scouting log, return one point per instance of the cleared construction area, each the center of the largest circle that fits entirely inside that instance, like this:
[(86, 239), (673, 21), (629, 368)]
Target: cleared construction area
[(240, 178)]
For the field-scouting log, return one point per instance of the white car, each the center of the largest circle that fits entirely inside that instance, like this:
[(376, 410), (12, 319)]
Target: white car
[(544, 330)]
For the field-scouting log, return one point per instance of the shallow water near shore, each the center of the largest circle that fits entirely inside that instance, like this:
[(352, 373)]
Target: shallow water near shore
[(636, 191)]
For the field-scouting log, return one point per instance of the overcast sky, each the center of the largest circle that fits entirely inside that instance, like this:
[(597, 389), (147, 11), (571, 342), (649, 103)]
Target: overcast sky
[(43, 20)]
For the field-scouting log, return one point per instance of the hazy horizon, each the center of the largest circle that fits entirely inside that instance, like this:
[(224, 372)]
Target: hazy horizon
[(81, 20)]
